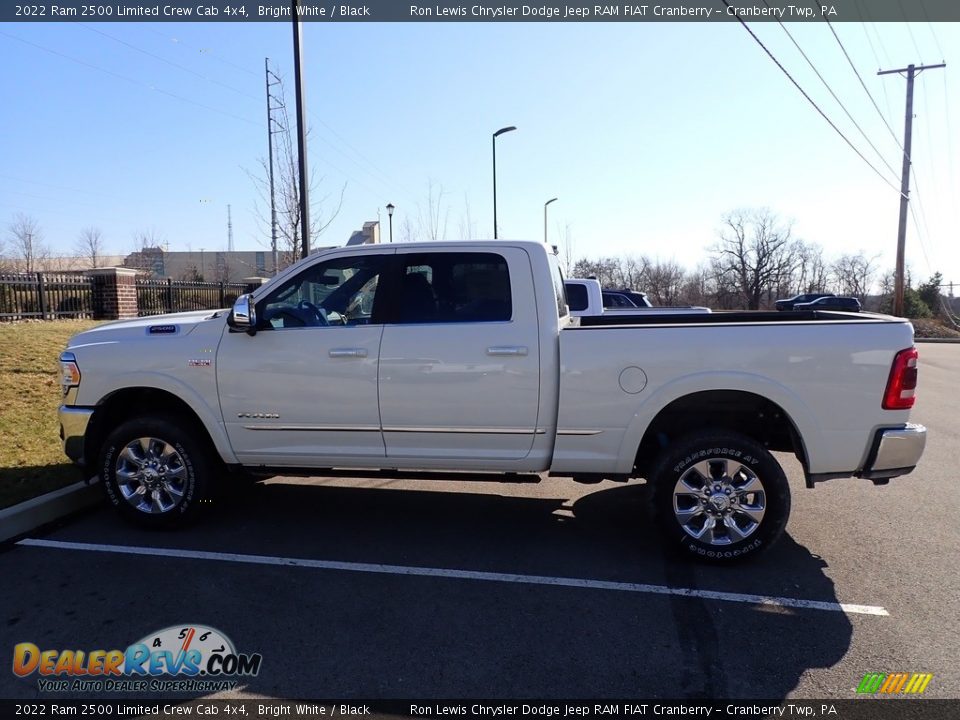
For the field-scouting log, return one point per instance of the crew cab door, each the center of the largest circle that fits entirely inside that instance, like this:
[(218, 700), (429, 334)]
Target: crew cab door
[(460, 360), (303, 390)]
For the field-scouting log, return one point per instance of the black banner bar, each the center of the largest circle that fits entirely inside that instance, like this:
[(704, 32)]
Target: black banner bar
[(481, 11), (867, 708)]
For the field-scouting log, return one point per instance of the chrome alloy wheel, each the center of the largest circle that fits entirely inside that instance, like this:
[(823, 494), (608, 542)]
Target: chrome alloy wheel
[(719, 501), (151, 475)]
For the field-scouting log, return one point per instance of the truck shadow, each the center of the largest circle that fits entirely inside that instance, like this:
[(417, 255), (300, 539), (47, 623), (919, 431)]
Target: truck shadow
[(393, 636)]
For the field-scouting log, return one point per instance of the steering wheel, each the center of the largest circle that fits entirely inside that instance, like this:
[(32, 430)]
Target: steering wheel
[(307, 305)]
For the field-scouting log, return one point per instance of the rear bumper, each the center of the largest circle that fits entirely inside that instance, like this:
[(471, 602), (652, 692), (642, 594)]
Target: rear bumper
[(73, 430), (895, 451)]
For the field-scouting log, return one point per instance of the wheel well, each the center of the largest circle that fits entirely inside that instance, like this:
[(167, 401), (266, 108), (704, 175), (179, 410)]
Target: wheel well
[(132, 402), (752, 415)]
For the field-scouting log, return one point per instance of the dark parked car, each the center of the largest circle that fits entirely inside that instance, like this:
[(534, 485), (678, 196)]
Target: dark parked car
[(638, 298), (850, 304), (797, 299), (616, 299)]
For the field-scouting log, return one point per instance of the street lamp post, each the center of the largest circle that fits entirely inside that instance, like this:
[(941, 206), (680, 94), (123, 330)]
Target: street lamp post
[(390, 209), (545, 218), (499, 132)]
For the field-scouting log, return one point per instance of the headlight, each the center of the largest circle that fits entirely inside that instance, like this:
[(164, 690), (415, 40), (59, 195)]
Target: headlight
[(69, 371)]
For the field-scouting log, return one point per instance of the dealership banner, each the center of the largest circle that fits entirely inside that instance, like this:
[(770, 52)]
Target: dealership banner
[(491, 709), (490, 11)]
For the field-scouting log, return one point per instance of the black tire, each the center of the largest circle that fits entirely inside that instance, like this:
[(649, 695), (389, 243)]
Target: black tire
[(735, 463), (187, 470)]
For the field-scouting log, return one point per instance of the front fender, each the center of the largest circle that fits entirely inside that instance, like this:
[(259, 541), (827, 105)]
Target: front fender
[(210, 417)]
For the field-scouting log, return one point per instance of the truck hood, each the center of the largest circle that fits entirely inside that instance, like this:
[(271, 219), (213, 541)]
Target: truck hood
[(158, 326)]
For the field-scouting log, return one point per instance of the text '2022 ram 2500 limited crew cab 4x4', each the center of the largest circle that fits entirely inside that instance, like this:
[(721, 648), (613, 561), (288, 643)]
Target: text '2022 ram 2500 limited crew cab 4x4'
[(462, 356)]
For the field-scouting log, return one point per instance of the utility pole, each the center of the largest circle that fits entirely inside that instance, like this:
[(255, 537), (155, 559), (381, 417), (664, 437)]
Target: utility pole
[(270, 133), (912, 71), (229, 230), (301, 130)]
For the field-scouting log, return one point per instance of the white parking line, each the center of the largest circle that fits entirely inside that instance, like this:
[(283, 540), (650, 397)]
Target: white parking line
[(780, 602)]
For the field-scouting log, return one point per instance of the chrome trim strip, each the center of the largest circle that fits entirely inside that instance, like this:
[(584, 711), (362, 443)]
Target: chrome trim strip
[(374, 428), (314, 428), (467, 431), (579, 432)]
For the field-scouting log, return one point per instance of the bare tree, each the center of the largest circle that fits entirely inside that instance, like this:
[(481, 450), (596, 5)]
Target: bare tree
[(665, 281), (147, 252), (287, 194), (696, 288), (90, 246), (468, 228), (27, 249), (811, 273), (432, 219), (853, 274), (406, 230), (753, 255)]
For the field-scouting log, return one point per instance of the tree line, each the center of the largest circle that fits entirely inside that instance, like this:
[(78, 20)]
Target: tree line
[(756, 260)]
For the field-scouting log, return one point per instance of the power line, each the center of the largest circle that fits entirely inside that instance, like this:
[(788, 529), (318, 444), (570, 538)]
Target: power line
[(933, 32), (906, 24), (205, 51), (129, 80), (863, 24), (834, 95), (863, 84), (171, 63), (811, 101)]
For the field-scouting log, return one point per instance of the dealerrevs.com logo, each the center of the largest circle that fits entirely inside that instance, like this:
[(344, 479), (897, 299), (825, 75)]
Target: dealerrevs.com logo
[(188, 658)]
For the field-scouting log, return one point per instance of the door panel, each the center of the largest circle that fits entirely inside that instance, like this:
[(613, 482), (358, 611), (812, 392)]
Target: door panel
[(459, 367), (303, 390)]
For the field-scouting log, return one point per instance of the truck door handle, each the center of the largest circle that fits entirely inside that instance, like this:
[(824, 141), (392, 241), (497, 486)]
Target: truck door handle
[(347, 353), (516, 350)]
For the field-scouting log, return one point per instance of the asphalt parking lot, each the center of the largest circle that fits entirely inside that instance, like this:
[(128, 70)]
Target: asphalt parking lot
[(867, 580)]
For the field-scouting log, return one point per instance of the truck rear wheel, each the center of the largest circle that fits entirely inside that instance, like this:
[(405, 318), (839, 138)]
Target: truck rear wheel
[(155, 471), (720, 497)]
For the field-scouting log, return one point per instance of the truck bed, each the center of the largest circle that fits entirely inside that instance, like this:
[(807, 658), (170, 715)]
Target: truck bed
[(738, 317)]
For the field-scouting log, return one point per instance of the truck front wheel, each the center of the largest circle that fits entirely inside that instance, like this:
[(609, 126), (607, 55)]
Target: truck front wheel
[(154, 471), (720, 497)]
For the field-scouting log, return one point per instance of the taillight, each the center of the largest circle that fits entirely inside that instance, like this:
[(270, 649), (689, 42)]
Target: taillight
[(902, 382)]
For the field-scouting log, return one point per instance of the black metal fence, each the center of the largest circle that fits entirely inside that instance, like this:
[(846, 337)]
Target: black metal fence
[(155, 297), (45, 296)]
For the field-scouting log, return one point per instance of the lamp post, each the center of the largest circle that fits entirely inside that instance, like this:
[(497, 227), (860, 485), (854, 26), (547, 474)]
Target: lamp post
[(545, 218), (498, 133), (390, 209)]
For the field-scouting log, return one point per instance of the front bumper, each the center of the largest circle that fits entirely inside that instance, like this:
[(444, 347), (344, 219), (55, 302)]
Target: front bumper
[(73, 430), (895, 451)]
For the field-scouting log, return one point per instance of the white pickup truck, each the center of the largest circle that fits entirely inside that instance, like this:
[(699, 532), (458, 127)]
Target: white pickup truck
[(462, 356), (586, 298)]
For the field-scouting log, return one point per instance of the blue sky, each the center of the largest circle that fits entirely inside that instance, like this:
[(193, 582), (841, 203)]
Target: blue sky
[(647, 133)]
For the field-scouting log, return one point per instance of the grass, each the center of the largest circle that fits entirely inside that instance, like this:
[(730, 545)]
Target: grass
[(31, 456)]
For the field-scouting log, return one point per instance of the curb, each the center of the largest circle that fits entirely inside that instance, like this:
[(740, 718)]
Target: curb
[(937, 340), (29, 515)]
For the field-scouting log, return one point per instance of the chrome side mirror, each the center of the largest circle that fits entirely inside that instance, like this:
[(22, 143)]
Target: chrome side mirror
[(243, 317)]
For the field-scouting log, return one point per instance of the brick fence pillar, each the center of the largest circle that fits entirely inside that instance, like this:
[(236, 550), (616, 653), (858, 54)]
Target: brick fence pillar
[(114, 293)]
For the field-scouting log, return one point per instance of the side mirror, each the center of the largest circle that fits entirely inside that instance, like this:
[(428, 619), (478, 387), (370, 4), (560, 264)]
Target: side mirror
[(243, 317)]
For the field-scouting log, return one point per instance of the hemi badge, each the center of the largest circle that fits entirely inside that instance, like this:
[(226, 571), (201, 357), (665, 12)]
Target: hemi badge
[(162, 330), (195, 362)]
